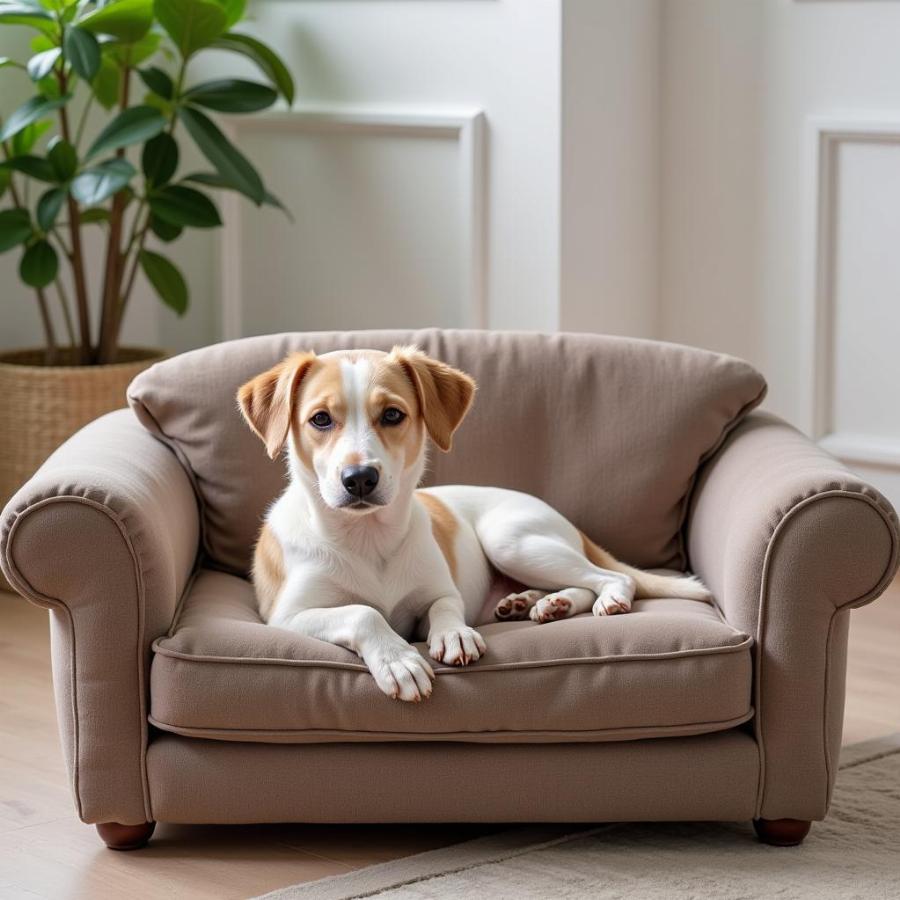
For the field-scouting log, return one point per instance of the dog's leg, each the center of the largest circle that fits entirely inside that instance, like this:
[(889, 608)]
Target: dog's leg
[(553, 563), (398, 668), (450, 640)]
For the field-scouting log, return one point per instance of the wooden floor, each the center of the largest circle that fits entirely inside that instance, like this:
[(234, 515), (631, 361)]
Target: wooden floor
[(46, 852)]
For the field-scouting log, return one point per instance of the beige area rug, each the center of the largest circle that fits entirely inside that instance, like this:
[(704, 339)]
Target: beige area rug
[(854, 853)]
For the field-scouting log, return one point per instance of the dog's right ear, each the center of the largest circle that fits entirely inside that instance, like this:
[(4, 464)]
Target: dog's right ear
[(268, 401)]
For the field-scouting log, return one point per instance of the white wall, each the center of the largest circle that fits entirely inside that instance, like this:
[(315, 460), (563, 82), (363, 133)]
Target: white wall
[(610, 191), (741, 82)]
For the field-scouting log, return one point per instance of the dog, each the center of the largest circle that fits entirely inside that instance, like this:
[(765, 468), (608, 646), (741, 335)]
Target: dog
[(356, 554)]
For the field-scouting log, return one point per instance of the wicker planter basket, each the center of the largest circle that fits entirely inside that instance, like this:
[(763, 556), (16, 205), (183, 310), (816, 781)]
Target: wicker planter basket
[(41, 406)]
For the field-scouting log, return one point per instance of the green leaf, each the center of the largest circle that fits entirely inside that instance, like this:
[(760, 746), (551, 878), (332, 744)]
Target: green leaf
[(15, 228), (41, 64), (48, 207), (266, 59), (139, 123), (63, 158), (212, 179), (228, 161), (179, 205), (25, 140), (232, 95), (34, 167), (158, 82), (234, 11), (48, 88), (41, 42), (133, 54), (160, 159), (164, 106), (128, 20), (24, 13), (7, 63), (30, 111), (107, 83), (5, 178), (39, 264), (165, 231), (23, 7), (167, 281), (192, 24), (82, 52), (94, 185)]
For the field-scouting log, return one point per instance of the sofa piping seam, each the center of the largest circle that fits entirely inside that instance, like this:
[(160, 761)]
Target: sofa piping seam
[(194, 730), (497, 667), (826, 716)]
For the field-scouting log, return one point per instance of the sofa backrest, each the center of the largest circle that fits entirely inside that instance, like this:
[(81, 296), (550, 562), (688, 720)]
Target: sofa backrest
[(610, 431)]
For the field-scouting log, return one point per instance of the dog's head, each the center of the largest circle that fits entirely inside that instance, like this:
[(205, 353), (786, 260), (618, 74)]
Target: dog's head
[(355, 421)]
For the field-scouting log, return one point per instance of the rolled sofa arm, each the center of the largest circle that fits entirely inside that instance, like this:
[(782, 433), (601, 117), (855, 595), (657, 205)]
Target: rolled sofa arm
[(789, 541), (104, 535)]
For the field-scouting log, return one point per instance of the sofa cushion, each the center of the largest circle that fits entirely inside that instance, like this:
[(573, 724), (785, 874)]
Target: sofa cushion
[(632, 419), (671, 667)]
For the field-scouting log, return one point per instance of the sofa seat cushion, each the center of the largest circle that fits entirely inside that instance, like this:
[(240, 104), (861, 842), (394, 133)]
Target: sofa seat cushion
[(671, 667)]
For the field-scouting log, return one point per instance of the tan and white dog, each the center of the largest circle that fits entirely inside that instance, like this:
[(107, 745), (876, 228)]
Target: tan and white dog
[(352, 553)]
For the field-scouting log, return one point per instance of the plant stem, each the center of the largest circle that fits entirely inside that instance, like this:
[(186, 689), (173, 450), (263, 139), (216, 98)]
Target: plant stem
[(64, 306), (139, 235), (112, 279), (76, 258), (132, 274), (49, 333), (62, 244)]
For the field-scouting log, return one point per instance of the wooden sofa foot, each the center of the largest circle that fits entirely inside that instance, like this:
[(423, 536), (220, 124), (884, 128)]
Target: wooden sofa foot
[(125, 837), (781, 832)]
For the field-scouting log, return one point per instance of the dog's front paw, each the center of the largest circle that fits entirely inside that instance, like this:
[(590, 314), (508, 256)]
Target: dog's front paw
[(456, 646), (401, 672)]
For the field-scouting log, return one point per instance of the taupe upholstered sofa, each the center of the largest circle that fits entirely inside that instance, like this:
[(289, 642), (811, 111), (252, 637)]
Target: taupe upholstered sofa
[(177, 704)]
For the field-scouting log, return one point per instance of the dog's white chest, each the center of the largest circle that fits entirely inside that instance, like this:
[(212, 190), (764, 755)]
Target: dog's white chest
[(393, 578)]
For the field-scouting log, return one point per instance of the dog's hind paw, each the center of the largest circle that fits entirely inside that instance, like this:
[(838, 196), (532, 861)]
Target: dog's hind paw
[(551, 607), (516, 606), (614, 599)]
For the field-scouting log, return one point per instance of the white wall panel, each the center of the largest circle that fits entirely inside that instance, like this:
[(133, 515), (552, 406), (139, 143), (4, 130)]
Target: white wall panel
[(866, 289), (387, 230)]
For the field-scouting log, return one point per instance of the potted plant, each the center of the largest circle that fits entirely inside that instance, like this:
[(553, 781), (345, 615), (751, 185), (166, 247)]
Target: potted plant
[(60, 176)]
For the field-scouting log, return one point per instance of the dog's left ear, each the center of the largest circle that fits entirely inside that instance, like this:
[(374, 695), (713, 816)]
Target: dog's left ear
[(268, 401), (444, 393)]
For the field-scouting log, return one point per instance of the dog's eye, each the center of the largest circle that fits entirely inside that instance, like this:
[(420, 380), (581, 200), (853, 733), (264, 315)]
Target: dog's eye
[(321, 420), (392, 416)]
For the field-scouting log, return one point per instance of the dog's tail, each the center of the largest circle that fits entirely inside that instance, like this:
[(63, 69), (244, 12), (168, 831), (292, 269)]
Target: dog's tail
[(647, 584)]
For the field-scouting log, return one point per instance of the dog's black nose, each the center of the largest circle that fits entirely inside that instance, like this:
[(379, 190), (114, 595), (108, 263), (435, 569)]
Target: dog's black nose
[(359, 480)]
